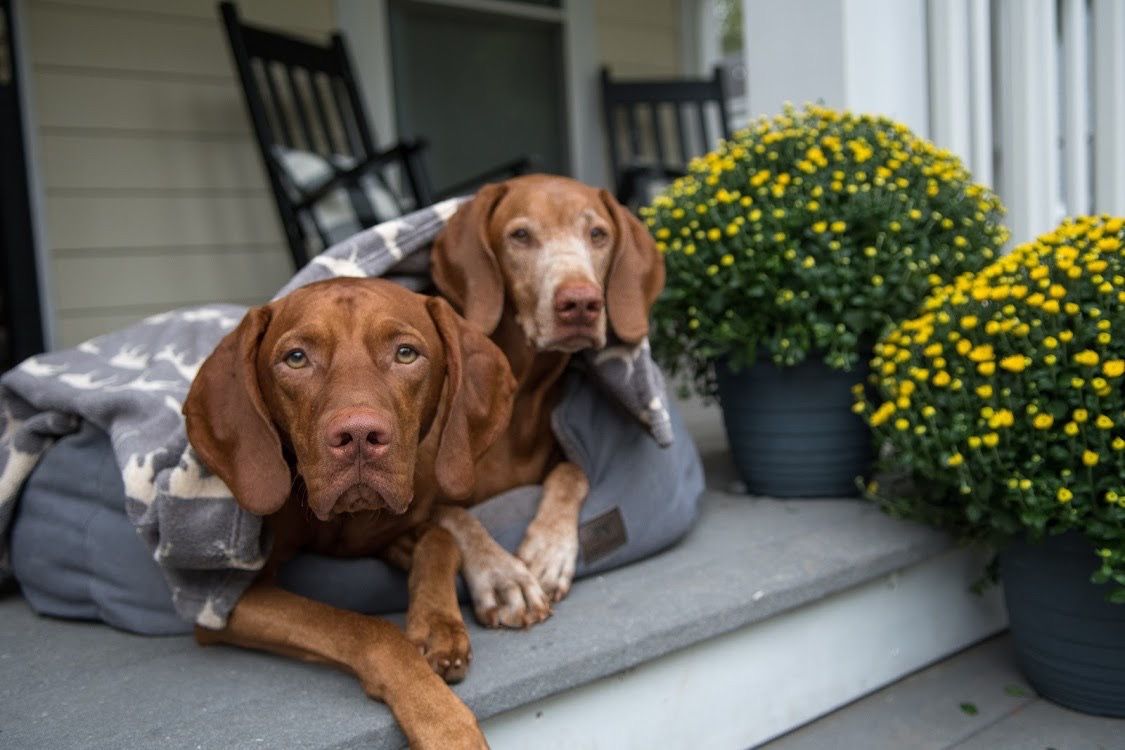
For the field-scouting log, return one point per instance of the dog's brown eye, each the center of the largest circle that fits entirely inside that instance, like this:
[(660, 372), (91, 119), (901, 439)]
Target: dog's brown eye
[(597, 234), (297, 359), (406, 354), (520, 235)]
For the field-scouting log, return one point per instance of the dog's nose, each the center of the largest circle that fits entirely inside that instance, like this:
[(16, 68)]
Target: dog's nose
[(578, 303), (358, 432)]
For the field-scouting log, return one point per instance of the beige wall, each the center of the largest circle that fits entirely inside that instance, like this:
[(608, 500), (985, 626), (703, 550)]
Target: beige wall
[(155, 195), (640, 37)]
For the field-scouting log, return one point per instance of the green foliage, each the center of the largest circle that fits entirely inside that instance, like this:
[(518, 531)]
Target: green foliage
[(810, 232)]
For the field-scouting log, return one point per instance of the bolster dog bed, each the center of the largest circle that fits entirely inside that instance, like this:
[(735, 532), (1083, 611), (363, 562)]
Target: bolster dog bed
[(107, 514)]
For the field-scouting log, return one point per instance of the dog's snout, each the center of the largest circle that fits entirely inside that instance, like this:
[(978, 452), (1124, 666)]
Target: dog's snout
[(578, 303), (358, 432)]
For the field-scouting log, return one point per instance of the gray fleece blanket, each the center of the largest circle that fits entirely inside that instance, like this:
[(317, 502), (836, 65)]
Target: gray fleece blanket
[(131, 384)]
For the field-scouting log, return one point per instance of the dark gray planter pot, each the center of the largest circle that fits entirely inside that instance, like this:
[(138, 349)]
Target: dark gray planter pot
[(791, 430), (1069, 640)]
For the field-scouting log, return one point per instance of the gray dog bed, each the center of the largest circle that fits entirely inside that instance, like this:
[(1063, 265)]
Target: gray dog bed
[(107, 514)]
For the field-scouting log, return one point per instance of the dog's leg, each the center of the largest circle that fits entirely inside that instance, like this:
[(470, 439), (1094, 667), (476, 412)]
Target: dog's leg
[(504, 591), (550, 546), (386, 663), (433, 621)]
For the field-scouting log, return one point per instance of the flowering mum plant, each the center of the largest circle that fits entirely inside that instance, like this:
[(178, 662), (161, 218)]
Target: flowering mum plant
[(1003, 398), (810, 232)]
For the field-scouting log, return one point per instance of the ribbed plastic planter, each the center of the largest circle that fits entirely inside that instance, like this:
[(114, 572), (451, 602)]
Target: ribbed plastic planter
[(791, 429), (1069, 640)]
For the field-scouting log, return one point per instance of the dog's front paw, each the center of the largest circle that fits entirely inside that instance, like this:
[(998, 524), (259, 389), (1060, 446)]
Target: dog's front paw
[(505, 593), (551, 553), (443, 641)]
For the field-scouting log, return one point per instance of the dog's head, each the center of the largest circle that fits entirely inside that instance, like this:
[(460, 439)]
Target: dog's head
[(339, 383), (565, 258)]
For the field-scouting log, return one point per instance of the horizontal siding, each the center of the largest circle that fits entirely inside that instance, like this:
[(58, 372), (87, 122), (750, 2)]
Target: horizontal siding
[(155, 193), (142, 219), (145, 45), (123, 161), (309, 16), (87, 100), (84, 284), (74, 327), (639, 38)]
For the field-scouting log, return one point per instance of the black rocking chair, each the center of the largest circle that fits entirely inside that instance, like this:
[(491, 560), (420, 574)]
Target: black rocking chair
[(303, 100), (643, 159)]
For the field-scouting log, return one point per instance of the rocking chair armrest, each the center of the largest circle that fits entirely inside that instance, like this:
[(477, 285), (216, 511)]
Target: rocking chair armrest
[(400, 152), (511, 168)]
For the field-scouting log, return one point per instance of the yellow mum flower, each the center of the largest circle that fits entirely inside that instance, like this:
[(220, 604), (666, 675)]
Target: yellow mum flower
[(1086, 357), (1014, 363), (1118, 444), (1090, 458), (1002, 418), (928, 411), (986, 368), (1080, 415), (941, 379), (882, 414), (1114, 368), (955, 460), (727, 260), (1103, 422), (714, 233), (969, 321), (1043, 421), (984, 391), (964, 346), (974, 441), (839, 226), (1064, 495), (820, 227), (991, 439), (981, 353), (1070, 428)]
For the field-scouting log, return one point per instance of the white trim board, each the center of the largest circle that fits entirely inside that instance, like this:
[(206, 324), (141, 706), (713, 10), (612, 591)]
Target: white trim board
[(757, 683)]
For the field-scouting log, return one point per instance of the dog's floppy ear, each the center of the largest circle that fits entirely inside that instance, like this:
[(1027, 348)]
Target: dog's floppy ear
[(464, 266), (227, 421), (476, 401), (636, 274)]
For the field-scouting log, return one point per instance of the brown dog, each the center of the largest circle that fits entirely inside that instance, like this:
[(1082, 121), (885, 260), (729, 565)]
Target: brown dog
[(341, 412), (543, 265)]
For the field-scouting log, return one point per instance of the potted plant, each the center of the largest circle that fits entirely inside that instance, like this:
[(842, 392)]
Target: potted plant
[(1002, 402), (788, 250)]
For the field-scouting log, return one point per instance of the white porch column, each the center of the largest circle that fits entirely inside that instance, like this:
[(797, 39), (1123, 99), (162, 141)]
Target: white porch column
[(1109, 107), (865, 55), (1029, 116), (950, 58), (583, 93)]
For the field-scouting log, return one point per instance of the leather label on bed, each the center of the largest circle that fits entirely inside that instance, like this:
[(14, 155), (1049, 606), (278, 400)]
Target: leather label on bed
[(602, 535)]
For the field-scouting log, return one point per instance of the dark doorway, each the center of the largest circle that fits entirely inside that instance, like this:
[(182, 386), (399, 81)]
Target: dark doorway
[(21, 312), (480, 87)]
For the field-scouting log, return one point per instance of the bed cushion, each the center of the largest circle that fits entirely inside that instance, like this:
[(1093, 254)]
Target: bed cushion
[(76, 554)]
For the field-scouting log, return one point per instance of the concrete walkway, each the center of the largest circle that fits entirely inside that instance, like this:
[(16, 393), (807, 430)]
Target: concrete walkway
[(976, 700)]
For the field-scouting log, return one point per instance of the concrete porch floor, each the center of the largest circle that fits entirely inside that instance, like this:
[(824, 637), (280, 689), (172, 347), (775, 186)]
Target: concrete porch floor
[(975, 700)]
